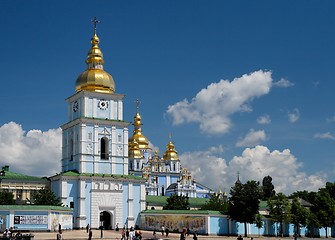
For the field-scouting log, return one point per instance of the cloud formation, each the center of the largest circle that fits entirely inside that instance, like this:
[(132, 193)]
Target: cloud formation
[(252, 138), (253, 164), (38, 153), (265, 119), (326, 135), (213, 106), (294, 115), (284, 83), (34, 153)]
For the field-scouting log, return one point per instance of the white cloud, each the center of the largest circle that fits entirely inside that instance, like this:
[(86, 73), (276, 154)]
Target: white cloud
[(326, 135), (283, 83), (33, 153), (253, 164), (252, 138), (331, 119), (213, 106), (206, 167), (265, 119), (294, 115)]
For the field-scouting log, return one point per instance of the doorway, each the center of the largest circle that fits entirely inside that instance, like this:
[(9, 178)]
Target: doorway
[(106, 220)]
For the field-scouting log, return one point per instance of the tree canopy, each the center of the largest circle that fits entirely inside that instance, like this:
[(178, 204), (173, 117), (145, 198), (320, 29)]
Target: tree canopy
[(279, 209), (6, 198), (177, 202), (215, 203), (46, 197), (267, 188), (244, 202)]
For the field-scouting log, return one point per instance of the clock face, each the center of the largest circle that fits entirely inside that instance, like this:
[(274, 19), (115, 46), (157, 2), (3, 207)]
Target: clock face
[(75, 106), (103, 104)]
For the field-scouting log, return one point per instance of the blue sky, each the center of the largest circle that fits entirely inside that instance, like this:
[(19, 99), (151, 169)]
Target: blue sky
[(242, 86)]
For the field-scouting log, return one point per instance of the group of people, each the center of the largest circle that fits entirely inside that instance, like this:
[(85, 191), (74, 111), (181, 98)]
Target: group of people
[(130, 234), (186, 232), (9, 234)]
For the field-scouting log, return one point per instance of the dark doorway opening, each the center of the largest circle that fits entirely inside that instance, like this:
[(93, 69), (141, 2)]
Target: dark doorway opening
[(106, 220)]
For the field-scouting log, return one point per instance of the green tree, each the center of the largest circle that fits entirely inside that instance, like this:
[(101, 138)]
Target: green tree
[(279, 209), (331, 189), (244, 203), (215, 203), (324, 209), (259, 222), (299, 215), (6, 198), (267, 188), (177, 202), (46, 197)]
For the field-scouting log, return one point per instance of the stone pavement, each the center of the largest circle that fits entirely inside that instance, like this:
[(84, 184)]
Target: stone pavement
[(111, 234)]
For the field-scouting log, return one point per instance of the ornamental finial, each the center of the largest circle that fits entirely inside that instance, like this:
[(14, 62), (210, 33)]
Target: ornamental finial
[(137, 104), (95, 21)]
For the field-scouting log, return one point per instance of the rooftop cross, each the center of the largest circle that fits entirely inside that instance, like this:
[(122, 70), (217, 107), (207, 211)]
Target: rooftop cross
[(95, 21), (137, 104)]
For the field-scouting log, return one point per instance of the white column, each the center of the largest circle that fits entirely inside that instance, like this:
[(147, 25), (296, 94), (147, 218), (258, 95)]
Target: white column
[(111, 109), (130, 205), (81, 147), (119, 110), (125, 151), (63, 191), (96, 145), (113, 149), (142, 199), (94, 107), (81, 204)]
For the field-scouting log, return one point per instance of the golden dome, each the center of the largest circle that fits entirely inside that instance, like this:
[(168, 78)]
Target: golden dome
[(134, 151), (170, 153), (95, 79), (137, 136)]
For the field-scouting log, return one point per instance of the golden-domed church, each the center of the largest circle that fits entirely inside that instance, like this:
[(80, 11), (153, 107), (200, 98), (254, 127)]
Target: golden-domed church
[(94, 180), (164, 175), (106, 174)]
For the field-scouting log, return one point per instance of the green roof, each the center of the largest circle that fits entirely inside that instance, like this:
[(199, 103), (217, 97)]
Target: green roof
[(35, 207), (161, 200), (6, 174), (116, 176), (263, 205), (191, 212)]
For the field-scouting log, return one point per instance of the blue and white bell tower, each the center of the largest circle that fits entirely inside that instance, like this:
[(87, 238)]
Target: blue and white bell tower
[(94, 180), (95, 139)]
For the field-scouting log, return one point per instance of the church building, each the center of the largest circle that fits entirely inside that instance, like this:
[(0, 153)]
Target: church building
[(94, 180), (165, 175)]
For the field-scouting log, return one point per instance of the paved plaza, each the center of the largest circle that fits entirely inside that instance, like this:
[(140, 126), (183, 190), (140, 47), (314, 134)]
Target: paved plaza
[(111, 234)]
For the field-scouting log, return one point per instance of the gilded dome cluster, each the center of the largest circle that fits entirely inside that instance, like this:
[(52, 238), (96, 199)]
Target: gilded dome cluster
[(170, 153), (95, 79)]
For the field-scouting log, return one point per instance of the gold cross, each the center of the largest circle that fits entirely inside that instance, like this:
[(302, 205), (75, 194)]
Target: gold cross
[(95, 21)]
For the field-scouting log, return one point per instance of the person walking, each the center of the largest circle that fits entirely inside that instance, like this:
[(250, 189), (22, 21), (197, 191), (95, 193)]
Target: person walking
[(90, 235)]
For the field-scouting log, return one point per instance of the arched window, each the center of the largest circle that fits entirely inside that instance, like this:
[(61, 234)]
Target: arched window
[(71, 149), (174, 167), (104, 148)]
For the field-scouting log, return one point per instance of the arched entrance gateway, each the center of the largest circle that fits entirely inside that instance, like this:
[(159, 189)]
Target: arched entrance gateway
[(106, 220)]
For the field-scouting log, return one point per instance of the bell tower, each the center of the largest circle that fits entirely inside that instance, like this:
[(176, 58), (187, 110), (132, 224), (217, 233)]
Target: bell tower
[(95, 138)]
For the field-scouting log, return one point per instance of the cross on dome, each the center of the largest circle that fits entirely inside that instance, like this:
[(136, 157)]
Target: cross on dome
[(95, 21)]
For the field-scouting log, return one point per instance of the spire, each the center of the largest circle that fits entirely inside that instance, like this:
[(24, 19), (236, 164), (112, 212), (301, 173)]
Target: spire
[(137, 133), (95, 79), (95, 57), (238, 178), (170, 153)]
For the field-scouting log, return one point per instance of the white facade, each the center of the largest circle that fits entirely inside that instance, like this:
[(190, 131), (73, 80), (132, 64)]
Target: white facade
[(94, 180)]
